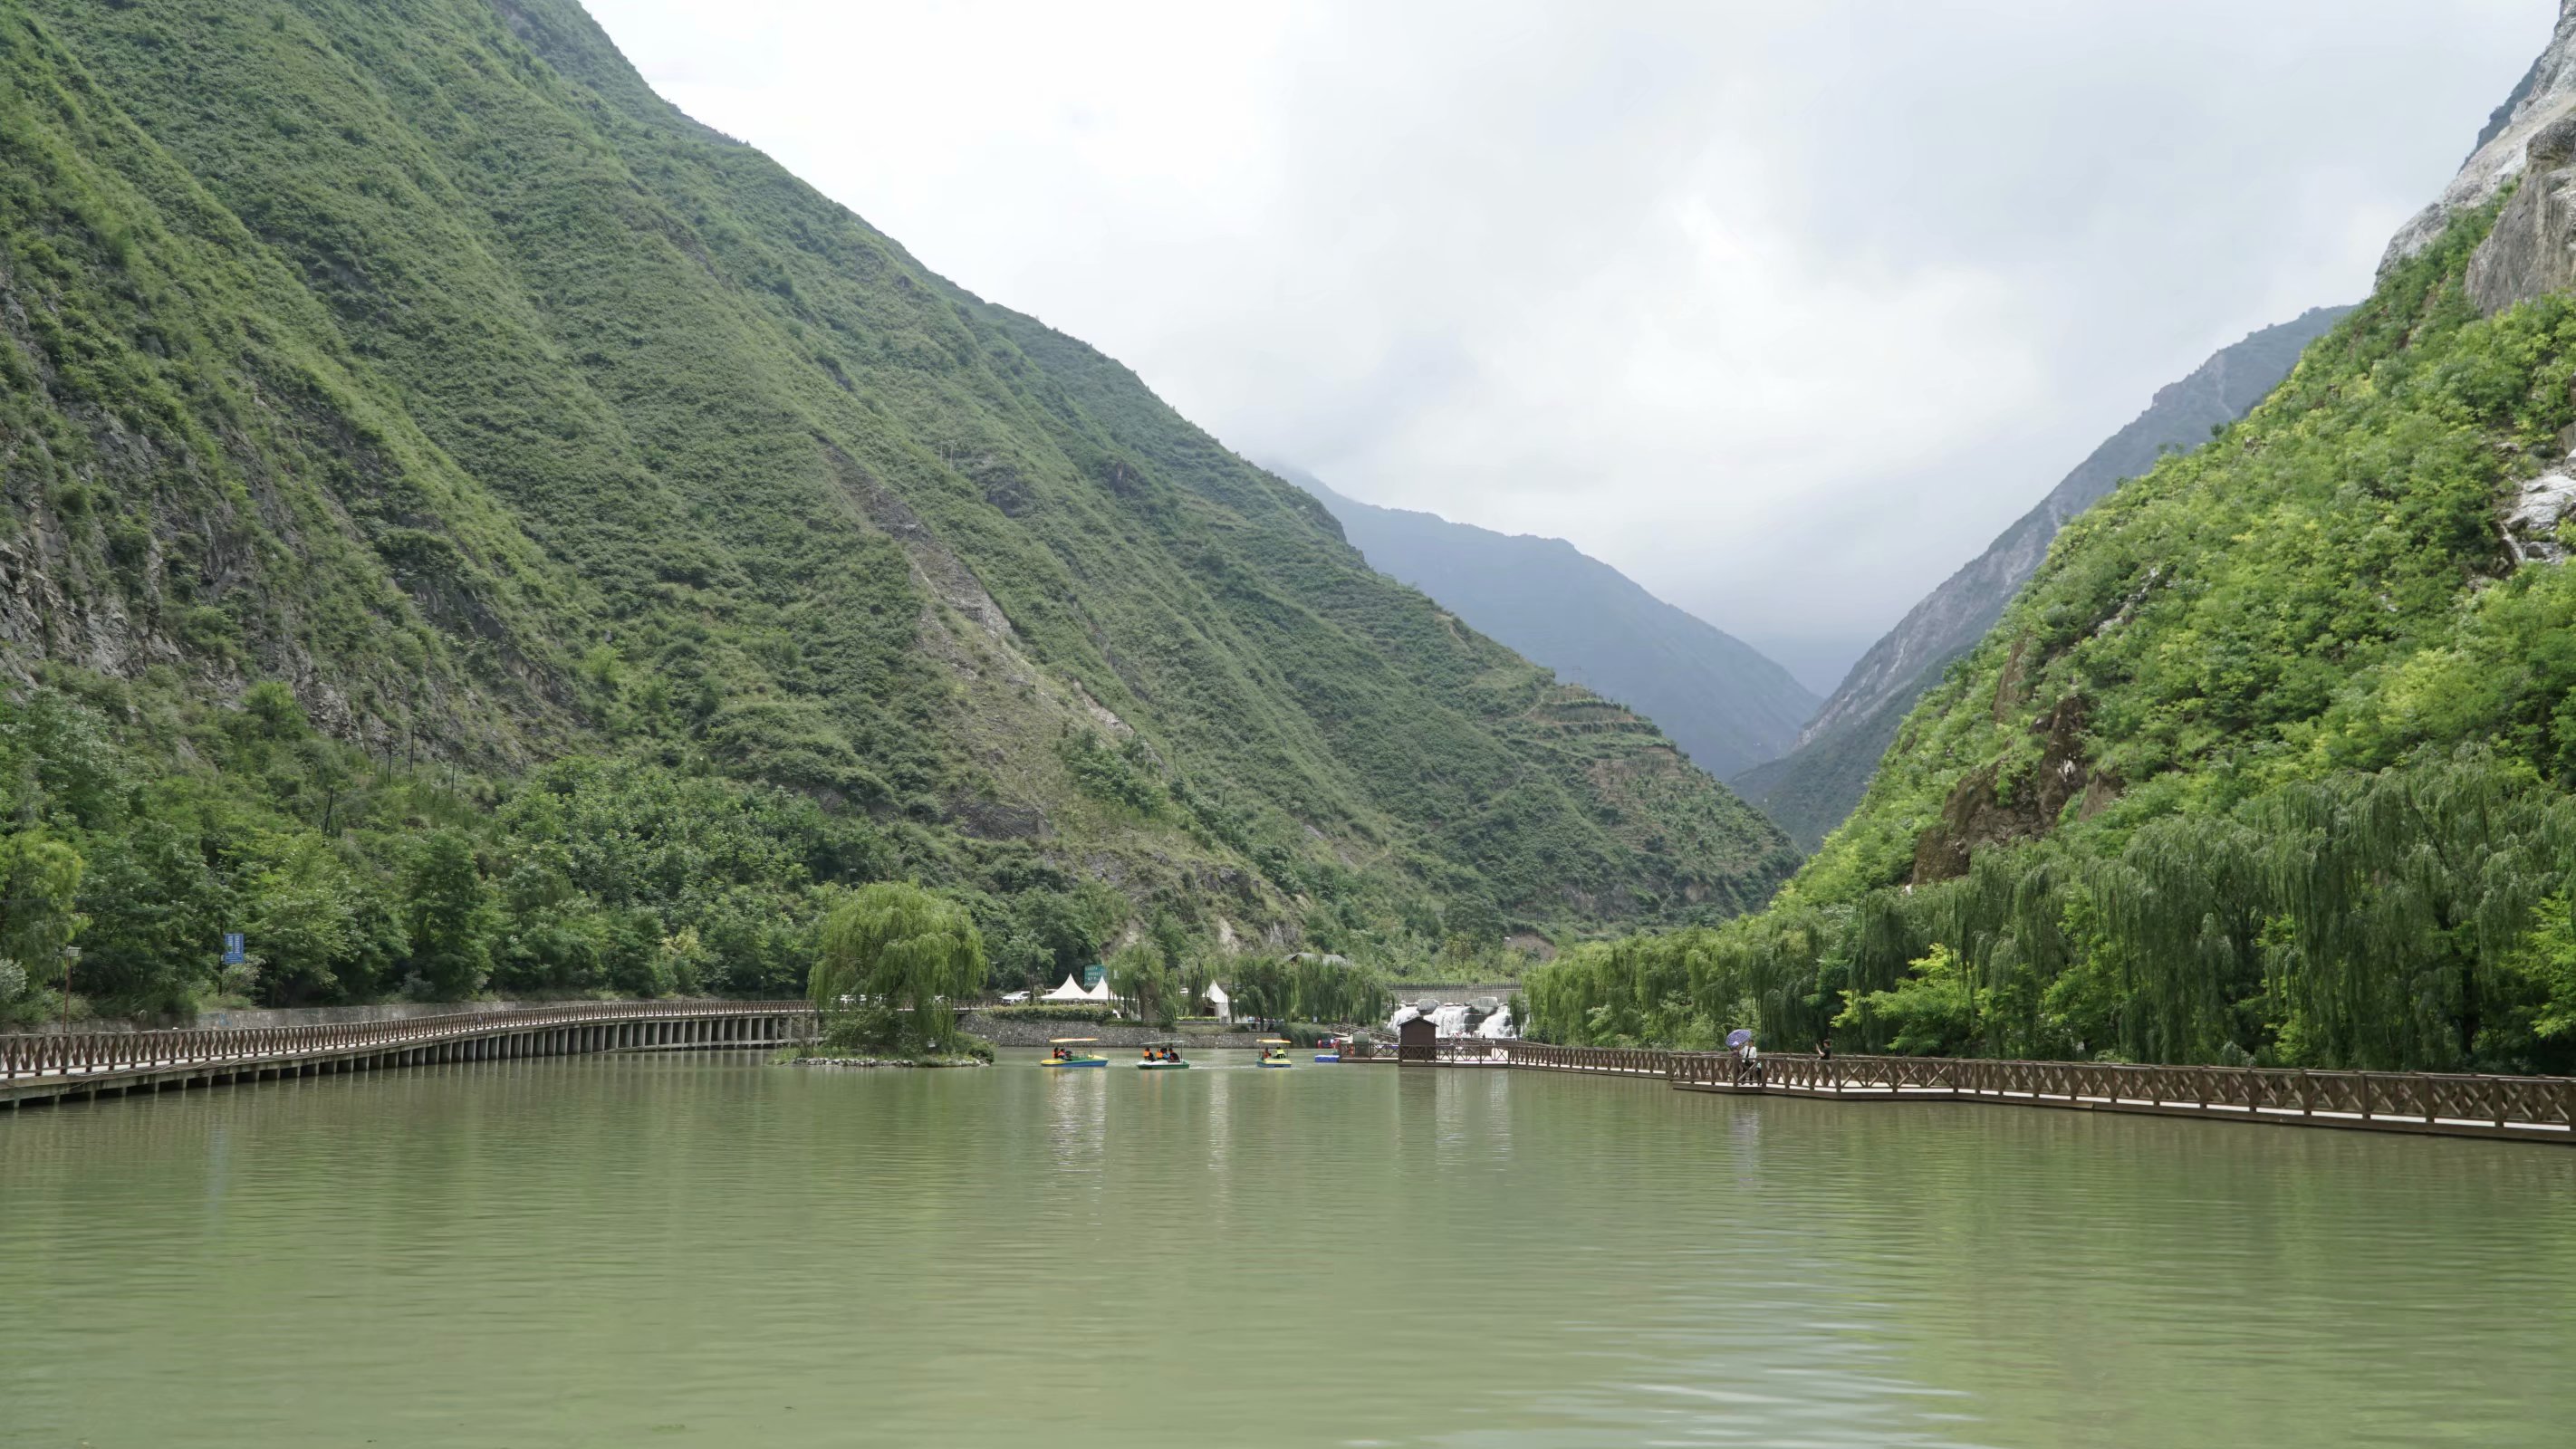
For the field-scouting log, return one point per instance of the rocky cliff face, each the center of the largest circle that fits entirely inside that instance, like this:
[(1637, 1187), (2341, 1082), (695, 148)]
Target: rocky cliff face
[(1811, 790), (2532, 250), (2546, 94)]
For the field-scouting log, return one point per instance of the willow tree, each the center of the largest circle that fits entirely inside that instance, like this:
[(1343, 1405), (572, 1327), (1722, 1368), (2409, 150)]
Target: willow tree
[(1142, 977), (1324, 989), (2182, 912), (894, 958), (2408, 898)]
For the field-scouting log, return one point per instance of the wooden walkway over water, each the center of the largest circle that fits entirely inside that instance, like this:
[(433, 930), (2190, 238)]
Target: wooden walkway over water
[(2518, 1109), (55, 1067)]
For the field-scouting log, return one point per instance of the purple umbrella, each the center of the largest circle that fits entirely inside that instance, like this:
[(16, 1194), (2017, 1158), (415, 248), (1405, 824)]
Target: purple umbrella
[(1738, 1037)]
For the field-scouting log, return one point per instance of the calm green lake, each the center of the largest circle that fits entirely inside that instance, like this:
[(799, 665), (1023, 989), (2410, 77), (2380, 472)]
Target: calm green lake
[(705, 1250)]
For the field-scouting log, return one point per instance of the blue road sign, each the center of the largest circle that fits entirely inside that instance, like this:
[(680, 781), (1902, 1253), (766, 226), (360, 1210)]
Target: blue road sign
[(233, 949)]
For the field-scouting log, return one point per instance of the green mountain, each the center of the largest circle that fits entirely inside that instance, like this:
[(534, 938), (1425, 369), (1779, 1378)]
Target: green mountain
[(1719, 698), (1809, 790), (2274, 758), (420, 359)]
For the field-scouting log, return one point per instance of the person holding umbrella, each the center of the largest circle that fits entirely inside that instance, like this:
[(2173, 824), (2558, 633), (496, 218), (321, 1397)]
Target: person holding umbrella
[(1748, 1061)]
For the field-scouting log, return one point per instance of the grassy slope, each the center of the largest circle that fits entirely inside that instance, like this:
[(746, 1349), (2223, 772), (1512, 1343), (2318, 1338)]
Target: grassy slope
[(551, 417)]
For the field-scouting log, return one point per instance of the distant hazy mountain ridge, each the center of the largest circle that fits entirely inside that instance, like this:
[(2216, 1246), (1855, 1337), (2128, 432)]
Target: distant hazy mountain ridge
[(1810, 791), (1723, 701)]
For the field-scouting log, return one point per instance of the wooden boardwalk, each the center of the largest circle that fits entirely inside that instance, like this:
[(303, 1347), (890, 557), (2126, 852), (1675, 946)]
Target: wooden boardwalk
[(55, 1067), (52, 1068), (2517, 1109)]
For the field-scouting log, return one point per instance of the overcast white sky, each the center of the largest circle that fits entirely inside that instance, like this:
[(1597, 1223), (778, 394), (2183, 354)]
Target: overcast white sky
[(1785, 309)]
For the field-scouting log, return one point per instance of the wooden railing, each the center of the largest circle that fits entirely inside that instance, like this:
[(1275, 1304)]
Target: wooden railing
[(2542, 1106), (2524, 1108), (1612, 1061), (84, 1053)]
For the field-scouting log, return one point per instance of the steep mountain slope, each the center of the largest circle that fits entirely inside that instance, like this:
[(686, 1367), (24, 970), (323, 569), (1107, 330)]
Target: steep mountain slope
[(1719, 698), (420, 357), (1810, 791), (2274, 760)]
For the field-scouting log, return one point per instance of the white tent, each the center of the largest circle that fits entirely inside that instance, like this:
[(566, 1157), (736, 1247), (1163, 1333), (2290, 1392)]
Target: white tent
[(1220, 1005), (1069, 991), (1097, 993)]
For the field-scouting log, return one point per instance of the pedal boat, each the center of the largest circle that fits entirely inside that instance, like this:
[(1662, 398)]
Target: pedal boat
[(1274, 1053), (1063, 1054)]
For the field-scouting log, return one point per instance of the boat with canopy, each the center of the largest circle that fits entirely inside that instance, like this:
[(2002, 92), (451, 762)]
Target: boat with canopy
[(1062, 1052), (1274, 1052)]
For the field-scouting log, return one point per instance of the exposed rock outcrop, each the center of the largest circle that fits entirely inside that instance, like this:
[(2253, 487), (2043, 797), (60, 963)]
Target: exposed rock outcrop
[(1985, 810), (2532, 250), (2546, 94), (2539, 509)]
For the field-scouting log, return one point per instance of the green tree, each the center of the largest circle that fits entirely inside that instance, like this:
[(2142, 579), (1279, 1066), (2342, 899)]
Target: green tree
[(39, 883), (157, 914), (447, 910), (892, 958), (1142, 976), (1931, 1013), (1260, 989)]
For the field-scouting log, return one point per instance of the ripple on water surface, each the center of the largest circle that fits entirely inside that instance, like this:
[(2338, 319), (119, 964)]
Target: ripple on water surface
[(691, 1249)]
